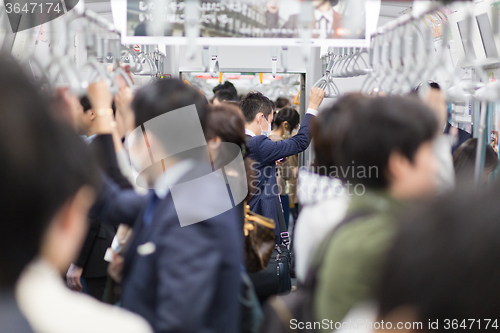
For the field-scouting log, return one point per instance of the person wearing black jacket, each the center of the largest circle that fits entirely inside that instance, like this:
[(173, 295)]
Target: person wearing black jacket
[(179, 277), (89, 273)]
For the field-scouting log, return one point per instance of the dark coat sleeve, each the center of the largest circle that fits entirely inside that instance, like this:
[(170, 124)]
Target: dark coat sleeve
[(104, 151), (116, 206), (88, 243), (269, 151)]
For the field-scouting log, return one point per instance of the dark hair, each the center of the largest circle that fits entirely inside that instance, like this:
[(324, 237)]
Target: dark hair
[(227, 86), (44, 163), (226, 122), (432, 85), (361, 132), (444, 261), (84, 101), (464, 159), (223, 95), (163, 96), (253, 103), (329, 128), (281, 102), (291, 116), (234, 103)]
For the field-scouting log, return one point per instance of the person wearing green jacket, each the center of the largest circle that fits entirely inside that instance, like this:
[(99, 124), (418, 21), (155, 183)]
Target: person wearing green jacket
[(381, 149)]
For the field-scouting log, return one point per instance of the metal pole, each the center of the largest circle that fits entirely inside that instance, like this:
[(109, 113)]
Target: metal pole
[(304, 156), (475, 106), (481, 144)]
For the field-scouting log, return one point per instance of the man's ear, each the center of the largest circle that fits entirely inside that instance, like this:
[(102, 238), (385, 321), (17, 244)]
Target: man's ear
[(92, 114), (397, 165), (259, 116)]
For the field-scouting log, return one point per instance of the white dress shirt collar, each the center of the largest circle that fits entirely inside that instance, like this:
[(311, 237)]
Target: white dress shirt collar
[(250, 133), (171, 176)]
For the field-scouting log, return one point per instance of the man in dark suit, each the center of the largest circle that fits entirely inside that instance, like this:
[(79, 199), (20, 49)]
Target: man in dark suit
[(181, 271), (258, 112), (89, 272)]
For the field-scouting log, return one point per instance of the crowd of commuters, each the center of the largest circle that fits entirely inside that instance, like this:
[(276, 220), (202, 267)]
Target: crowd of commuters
[(116, 220)]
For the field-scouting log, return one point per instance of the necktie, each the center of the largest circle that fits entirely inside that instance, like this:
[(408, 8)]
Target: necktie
[(150, 208), (323, 27)]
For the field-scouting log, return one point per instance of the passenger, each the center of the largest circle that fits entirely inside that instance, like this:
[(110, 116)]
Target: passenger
[(48, 161), (459, 135), (432, 95), (86, 120), (222, 96), (282, 102), (284, 123), (227, 86), (323, 198), (180, 278), (258, 112), (464, 160), (88, 274), (442, 271), (225, 123), (383, 154)]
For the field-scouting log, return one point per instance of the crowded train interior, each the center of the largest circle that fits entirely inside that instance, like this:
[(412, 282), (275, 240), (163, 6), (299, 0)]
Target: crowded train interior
[(253, 166)]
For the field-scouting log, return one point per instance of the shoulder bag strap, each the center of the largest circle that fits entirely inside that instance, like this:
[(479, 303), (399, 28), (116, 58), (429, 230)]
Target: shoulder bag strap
[(311, 278)]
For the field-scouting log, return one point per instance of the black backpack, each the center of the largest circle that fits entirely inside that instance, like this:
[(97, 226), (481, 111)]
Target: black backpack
[(298, 306)]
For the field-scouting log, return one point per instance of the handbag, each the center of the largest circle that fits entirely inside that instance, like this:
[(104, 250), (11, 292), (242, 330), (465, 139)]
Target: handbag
[(275, 279), (259, 240)]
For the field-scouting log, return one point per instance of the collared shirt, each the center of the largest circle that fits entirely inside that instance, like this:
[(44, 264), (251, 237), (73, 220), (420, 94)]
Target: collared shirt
[(324, 22), (88, 139), (49, 306), (309, 111), (249, 133), (171, 176)]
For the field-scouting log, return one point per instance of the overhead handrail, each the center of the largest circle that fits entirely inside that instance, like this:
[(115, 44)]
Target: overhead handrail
[(326, 83)]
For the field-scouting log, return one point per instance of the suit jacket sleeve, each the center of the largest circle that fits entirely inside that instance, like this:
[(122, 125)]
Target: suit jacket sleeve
[(270, 151), (104, 151), (116, 206), (184, 291), (88, 243)]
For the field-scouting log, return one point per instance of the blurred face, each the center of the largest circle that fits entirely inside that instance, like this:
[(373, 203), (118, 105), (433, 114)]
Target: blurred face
[(320, 3), (413, 180), (436, 100), (84, 121), (272, 6)]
